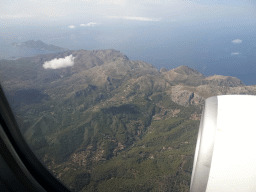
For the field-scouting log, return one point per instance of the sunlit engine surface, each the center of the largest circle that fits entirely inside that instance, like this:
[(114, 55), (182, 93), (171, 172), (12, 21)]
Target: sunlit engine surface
[(225, 159)]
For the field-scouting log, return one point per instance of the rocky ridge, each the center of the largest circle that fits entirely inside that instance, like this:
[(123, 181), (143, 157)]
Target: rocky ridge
[(110, 67)]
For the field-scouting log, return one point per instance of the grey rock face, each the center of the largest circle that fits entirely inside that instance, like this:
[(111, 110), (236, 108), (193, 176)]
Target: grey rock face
[(185, 97), (162, 70), (220, 80)]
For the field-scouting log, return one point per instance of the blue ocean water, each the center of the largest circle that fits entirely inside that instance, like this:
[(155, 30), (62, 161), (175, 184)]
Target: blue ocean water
[(9, 52), (208, 49)]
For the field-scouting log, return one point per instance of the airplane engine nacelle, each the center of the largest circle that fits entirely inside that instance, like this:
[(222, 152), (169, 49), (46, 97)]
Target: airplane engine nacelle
[(225, 155)]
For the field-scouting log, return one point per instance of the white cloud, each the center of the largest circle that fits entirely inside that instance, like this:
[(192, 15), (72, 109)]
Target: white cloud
[(115, 2), (68, 61), (235, 53), (136, 18), (71, 26), (237, 41), (90, 24)]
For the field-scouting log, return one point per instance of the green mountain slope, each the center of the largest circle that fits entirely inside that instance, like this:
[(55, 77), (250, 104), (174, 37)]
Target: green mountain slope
[(111, 124)]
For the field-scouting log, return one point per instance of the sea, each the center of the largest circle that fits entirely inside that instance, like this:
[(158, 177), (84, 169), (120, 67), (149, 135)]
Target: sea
[(209, 49)]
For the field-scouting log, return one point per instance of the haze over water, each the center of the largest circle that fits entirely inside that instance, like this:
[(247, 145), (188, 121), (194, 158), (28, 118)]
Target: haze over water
[(214, 37)]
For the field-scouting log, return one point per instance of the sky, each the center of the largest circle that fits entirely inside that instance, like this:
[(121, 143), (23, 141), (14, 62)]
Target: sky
[(212, 36), (140, 10)]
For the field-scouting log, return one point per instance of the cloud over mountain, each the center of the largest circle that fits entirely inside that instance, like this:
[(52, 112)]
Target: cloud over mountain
[(68, 61)]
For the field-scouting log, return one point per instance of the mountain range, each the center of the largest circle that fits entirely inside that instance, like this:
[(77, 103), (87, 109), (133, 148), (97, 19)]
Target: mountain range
[(106, 123)]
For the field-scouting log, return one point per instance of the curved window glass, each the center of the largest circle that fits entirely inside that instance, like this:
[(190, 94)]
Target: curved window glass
[(109, 93)]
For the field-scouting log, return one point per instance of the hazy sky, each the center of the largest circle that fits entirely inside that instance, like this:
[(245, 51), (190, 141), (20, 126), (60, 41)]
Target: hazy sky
[(203, 34), (140, 10), (123, 16)]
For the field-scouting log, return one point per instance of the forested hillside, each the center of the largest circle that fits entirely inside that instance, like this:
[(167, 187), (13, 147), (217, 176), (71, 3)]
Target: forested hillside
[(110, 124)]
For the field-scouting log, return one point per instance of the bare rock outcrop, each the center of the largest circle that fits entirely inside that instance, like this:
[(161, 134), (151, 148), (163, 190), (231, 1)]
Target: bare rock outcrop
[(191, 77), (221, 80), (185, 97), (184, 75), (162, 70)]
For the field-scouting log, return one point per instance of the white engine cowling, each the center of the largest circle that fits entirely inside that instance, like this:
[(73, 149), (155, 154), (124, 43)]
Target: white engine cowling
[(225, 157)]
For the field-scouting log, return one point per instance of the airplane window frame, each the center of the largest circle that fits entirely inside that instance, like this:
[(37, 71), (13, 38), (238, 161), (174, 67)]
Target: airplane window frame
[(18, 155)]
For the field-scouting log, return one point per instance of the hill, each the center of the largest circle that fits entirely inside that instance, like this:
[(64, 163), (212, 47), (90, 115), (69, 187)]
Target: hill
[(106, 123), (31, 44)]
